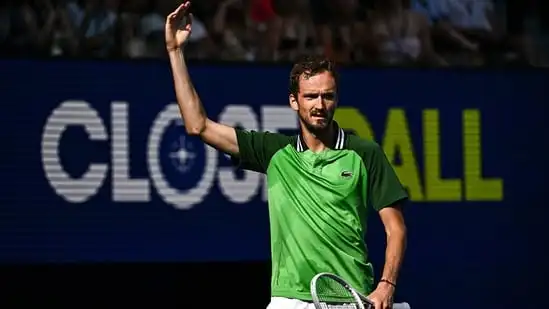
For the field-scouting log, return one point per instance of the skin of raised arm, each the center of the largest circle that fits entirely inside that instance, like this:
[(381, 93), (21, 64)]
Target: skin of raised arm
[(196, 121)]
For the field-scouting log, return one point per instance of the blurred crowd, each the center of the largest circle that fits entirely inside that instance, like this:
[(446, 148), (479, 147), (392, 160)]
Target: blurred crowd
[(377, 32)]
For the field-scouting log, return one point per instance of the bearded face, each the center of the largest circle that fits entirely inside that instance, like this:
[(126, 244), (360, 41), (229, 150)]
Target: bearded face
[(316, 101)]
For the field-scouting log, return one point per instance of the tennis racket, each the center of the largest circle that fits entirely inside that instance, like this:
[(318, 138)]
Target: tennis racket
[(327, 288)]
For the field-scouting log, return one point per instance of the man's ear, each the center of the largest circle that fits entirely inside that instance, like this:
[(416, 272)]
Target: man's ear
[(293, 103)]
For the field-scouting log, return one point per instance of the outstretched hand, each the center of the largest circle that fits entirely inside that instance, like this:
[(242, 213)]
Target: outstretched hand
[(178, 26)]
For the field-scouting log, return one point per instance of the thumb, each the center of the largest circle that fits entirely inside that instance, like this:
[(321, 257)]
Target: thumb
[(374, 301)]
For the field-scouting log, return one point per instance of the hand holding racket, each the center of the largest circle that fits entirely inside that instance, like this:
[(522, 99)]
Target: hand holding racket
[(382, 296), (327, 288)]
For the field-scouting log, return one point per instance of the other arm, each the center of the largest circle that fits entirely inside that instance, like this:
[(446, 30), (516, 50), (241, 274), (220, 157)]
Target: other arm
[(386, 194), (395, 230)]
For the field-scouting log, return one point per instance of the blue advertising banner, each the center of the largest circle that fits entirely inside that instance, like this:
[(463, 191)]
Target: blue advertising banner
[(96, 165)]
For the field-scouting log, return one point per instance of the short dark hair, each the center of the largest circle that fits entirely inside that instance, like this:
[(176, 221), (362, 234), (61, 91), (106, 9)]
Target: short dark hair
[(310, 66)]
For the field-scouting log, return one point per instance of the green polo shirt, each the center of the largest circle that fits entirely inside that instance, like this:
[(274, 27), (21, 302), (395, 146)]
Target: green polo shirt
[(318, 206)]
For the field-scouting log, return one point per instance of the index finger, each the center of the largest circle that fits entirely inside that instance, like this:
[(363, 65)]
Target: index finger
[(181, 9)]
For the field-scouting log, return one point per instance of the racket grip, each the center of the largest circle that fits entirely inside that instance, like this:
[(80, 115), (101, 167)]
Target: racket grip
[(401, 306)]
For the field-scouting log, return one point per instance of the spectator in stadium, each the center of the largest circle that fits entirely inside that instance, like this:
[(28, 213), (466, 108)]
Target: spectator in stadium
[(295, 27), (230, 31), (151, 28), (5, 13), (361, 43), (334, 21), (140, 30), (521, 38), (266, 27), (469, 16), (400, 36), (462, 31), (129, 42), (478, 22), (447, 41), (345, 14), (31, 27), (94, 22), (441, 30)]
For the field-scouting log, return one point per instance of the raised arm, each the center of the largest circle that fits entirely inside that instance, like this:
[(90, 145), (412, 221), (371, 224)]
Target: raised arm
[(219, 136)]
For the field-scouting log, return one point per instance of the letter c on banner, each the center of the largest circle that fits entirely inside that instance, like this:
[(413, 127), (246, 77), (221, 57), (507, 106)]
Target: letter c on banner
[(77, 113)]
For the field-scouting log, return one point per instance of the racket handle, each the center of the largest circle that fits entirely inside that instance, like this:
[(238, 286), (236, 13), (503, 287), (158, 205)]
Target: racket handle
[(401, 306)]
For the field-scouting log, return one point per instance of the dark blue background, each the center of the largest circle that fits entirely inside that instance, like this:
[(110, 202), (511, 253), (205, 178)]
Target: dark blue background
[(492, 252)]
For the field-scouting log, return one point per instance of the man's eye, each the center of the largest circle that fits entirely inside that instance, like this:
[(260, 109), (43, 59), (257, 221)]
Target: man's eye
[(329, 96)]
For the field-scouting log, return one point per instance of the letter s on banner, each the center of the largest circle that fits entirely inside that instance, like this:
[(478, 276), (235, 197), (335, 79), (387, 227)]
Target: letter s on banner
[(180, 200), (72, 113)]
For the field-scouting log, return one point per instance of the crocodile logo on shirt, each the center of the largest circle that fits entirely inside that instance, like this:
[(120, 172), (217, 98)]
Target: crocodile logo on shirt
[(346, 174)]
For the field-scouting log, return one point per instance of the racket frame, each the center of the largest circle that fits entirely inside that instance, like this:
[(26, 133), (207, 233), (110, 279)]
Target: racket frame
[(361, 301)]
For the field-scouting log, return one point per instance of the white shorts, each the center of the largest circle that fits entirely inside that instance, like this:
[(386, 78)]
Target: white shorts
[(290, 303)]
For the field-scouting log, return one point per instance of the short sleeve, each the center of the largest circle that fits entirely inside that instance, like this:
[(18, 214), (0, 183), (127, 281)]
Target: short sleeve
[(257, 148), (384, 188)]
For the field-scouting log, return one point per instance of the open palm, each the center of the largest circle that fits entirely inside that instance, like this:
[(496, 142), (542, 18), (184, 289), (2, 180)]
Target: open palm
[(178, 26)]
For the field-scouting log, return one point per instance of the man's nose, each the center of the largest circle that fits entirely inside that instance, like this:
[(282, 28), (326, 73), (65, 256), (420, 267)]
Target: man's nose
[(320, 102)]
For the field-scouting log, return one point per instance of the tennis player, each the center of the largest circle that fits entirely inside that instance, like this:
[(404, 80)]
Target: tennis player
[(320, 182)]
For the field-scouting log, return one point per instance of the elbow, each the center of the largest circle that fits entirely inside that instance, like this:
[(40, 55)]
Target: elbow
[(194, 130)]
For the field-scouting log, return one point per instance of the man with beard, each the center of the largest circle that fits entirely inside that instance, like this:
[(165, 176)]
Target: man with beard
[(320, 182)]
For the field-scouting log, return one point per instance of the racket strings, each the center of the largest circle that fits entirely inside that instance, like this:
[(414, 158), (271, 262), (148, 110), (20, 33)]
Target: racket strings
[(330, 291)]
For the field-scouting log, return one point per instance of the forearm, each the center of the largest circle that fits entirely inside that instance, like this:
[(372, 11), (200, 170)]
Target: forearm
[(394, 254), (191, 108)]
